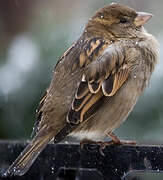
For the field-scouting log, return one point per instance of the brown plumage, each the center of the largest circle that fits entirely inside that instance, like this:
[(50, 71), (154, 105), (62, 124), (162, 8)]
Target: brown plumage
[(96, 82)]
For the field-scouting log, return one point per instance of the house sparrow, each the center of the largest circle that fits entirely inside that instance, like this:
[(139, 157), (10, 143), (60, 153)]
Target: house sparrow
[(96, 82)]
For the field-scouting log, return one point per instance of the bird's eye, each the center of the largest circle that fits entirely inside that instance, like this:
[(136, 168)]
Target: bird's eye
[(123, 20)]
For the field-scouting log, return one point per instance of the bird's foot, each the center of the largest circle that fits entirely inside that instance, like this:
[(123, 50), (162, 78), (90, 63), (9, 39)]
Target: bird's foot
[(116, 141), (86, 141), (102, 144)]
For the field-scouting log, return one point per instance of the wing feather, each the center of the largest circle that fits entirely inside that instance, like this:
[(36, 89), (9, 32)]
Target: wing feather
[(102, 77), (111, 85)]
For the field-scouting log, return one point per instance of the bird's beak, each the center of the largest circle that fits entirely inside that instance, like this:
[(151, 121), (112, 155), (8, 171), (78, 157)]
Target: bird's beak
[(142, 18)]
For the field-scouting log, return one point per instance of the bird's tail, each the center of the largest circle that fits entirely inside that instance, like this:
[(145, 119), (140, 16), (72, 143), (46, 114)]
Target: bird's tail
[(30, 153)]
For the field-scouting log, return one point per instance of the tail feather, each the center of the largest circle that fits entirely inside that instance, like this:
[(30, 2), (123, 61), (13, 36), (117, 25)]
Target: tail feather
[(30, 153)]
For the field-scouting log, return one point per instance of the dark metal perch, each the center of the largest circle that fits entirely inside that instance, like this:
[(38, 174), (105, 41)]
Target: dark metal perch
[(69, 161)]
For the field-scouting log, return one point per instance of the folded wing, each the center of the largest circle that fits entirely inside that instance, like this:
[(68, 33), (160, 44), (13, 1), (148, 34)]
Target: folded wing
[(103, 77)]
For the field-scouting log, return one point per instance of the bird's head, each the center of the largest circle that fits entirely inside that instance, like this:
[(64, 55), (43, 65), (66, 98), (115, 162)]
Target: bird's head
[(118, 20)]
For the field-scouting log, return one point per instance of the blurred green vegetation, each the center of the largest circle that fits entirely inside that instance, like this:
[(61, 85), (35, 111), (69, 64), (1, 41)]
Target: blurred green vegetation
[(33, 37)]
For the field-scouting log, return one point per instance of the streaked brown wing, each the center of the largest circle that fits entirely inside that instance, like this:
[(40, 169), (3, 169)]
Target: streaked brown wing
[(102, 77), (81, 105), (111, 85)]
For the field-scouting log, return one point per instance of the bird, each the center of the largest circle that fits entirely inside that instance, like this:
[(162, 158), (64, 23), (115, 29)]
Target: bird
[(96, 82)]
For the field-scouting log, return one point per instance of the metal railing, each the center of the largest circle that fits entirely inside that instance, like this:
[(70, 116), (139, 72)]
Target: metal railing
[(70, 162)]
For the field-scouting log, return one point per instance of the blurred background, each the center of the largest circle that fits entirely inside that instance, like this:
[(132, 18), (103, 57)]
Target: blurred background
[(34, 34)]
